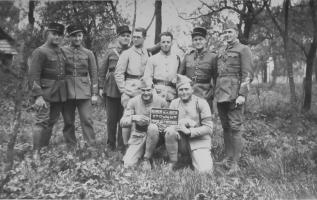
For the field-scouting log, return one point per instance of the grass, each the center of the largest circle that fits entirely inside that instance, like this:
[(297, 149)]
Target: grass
[(277, 161)]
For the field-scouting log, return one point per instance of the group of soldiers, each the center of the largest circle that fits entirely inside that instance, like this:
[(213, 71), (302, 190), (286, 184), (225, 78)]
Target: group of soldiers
[(132, 82)]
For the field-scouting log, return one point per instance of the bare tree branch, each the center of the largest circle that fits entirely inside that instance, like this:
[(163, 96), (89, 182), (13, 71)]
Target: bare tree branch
[(148, 26)]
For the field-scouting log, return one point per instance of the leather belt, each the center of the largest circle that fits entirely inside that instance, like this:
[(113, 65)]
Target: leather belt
[(132, 76), (199, 80), (162, 82), (141, 128), (53, 76), (77, 74), (229, 74)]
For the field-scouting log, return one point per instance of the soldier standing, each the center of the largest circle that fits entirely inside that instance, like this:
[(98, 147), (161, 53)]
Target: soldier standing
[(200, 65), (193, 134), (82, 85), (130, 68), (162, 68), (109, 89), (48, 87), (234, 76)]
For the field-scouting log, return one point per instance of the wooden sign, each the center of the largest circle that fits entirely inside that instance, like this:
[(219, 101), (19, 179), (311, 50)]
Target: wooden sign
[(164, 117)]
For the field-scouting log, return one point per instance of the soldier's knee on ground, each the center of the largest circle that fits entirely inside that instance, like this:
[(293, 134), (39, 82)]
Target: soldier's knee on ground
[(152, 130), (171, 135)]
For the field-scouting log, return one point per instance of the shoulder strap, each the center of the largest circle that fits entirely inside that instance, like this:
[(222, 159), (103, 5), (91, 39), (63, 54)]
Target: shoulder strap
[(198, 110), (179, 61), (116, 52)]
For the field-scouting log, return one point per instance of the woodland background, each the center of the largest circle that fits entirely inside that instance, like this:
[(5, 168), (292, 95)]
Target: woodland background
[(280, 157)]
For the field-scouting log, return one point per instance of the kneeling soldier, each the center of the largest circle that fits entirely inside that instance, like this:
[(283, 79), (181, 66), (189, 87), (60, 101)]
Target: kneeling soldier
[(193, 133), (144, 135)]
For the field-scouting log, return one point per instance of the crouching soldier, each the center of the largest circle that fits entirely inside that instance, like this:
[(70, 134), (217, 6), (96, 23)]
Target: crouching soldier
[(193, 133), (48, 87), (144, 135)]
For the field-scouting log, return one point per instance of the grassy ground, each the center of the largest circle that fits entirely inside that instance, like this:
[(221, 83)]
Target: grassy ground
[(278, 161)]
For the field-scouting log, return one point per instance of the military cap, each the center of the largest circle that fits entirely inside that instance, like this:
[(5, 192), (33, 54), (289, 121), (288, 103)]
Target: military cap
[(182, 80), (74, 28), (199, 31), (145, 83), (123, 29), (59, 28), (230, 25)]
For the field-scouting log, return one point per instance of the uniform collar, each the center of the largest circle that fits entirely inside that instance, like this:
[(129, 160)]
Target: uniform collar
[(76, 47), (139, 50), (51, 46), (233, 44), (198, 54), (163, 54), (120, 48)]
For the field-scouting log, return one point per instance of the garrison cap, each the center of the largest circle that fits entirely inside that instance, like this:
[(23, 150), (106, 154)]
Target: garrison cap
[(145, 82), (123, 29), (59, 28), (182, 80), (74, 28), (199, 31), (230, 25)]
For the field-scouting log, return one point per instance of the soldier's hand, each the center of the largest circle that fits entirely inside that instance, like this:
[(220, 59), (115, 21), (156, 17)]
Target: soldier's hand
[(183, 129), (94, 99), (40, 103), (141, 120), (240, 100)]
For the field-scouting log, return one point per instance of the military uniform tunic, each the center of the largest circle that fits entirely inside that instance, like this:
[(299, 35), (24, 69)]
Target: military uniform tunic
[(144, 139), (162, 69), (82, 82), (202, 69), (46, 79), (195, 115), (81, 72), (112, 94), (234, 75), (234, 72), (130, 68)]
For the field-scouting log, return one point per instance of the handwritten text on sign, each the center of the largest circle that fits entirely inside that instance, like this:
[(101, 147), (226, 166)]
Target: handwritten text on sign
[(164, 117)]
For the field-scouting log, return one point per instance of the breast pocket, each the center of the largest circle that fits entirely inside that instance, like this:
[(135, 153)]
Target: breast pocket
[(52, 62), (83, 62), (233, 59)]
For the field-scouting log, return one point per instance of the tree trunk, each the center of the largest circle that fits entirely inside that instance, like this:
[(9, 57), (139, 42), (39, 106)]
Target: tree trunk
[(316, 72), (134, 20), (287, 57), (310, 61), (158, 20), (264, 71), (309, 77)]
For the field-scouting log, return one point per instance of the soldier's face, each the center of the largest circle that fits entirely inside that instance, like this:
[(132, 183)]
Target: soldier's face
[(166, 43), (76, 38), (230, 35), (185, 92), (54, 37), (199, 42), (124, 39), (138, 39), (146, 93)]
